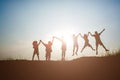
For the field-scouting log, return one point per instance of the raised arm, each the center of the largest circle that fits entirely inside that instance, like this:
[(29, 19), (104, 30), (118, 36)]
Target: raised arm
[(52, 40), (80, 35), (39, 43), (77, 35), (57, 38), (42, 42), (102, 31), (90, 33)]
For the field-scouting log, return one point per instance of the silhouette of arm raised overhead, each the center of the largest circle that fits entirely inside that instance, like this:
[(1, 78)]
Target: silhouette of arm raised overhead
[(39, 42), (80, 35), (90, 33), (58, 38), (42, 42), (77, 35), (52, 40), (101, 31)]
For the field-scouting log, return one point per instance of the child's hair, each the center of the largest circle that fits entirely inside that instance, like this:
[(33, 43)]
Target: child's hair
[(34, 43), (85, 35), (49, 42)]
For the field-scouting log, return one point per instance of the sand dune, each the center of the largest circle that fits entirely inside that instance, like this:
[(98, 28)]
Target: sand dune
[(87, 68)]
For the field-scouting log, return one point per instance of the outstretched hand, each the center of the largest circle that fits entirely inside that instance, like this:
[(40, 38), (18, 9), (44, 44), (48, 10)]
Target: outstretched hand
[(104, 29), (40, 40), (54, 37), (89, 33)]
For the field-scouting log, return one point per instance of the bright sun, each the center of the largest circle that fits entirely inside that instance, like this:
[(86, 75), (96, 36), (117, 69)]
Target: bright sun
[(67, 34)]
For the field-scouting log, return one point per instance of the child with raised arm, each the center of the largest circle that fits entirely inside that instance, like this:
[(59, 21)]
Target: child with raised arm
[(63, 47), (85, 37), (98, 40), (75, 44), (48, 47), (36, 50)]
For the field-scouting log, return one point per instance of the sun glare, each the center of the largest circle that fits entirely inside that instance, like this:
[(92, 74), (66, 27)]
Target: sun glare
[(67, 34)]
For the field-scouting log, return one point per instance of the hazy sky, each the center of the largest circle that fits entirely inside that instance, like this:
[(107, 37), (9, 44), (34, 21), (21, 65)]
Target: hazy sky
[(22, 21)]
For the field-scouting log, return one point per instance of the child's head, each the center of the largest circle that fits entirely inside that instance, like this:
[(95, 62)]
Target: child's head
[(96, 32), (49, 42), (34, 44), (85, 35), (73, 35)]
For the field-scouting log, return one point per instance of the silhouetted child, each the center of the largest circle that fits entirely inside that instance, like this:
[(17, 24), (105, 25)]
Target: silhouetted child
[(63, 47), (36, 50), (98, 40), (48, 49), (85, 37), (75, 44)]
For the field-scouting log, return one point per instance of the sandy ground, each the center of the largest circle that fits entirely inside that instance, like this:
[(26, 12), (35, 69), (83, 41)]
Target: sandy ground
[(87, 68)]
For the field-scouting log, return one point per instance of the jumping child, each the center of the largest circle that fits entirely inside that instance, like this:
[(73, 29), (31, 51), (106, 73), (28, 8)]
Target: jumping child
[(85, 37), (75, 44), (98, 40)]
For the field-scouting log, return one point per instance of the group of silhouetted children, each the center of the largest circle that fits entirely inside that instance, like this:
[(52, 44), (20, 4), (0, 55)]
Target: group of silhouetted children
[(48, 45)]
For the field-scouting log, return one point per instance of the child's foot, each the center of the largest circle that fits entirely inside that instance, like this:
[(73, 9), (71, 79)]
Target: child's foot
[(96, 53), (107, 50)]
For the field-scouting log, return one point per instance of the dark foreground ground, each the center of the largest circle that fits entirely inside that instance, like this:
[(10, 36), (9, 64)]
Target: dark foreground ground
[(87, 68)]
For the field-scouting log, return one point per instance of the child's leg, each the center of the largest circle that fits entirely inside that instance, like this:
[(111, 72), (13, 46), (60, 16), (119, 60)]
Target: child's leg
[(83, 48), (49, 56), (104, 47), (73, 50), (63, 54), (96, 48), (33, 55), (46, 56), (76, 49), (38, 56), (91, 47)]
